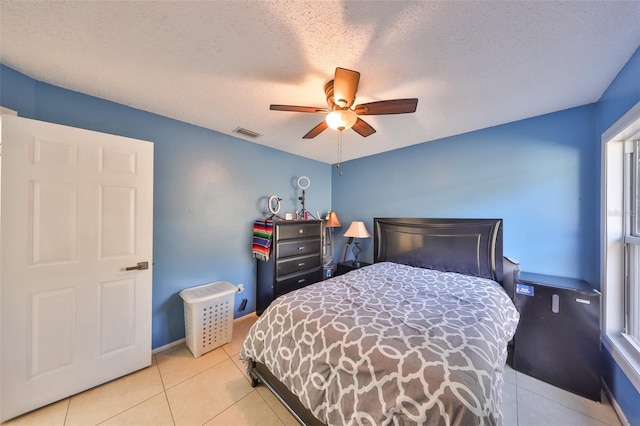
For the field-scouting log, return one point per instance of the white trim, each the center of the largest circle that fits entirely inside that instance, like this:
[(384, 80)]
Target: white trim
[(625, 355), (612, 233), (7, 111), (625, 127), (612, 218), (630, 239), (169, 345), (616, 407)]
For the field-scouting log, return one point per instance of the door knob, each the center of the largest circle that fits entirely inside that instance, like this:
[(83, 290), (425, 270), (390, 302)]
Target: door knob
[(139, 267)]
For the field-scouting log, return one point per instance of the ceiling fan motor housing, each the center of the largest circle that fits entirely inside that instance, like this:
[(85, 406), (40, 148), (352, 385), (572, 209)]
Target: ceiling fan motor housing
[(328, 91)]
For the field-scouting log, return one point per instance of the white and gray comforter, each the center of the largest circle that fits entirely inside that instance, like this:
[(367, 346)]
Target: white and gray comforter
[(390, 344)]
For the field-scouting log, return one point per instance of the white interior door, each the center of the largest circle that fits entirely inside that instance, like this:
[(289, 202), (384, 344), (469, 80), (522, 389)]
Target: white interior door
[(76, 211)]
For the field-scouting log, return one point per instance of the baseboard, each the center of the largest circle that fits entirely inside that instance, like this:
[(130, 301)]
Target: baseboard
[(184, 339), (168, 346), (614, 404)]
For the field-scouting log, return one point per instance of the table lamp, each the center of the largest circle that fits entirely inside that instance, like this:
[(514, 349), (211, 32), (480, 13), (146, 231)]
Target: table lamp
[(357, 230), (331, 222)]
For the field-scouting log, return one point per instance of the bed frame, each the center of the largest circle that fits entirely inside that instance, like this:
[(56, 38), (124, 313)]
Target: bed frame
[(470, 246)]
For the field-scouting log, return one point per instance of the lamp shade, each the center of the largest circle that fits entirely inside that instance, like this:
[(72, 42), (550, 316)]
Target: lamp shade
[(332, 220), (341, 119), (357, 230)]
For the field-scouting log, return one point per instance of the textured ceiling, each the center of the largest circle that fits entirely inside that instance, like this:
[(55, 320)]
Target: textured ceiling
[(219, 64)]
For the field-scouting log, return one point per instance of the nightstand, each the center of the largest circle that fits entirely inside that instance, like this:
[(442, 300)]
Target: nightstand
[(344, 267), (558, 336)]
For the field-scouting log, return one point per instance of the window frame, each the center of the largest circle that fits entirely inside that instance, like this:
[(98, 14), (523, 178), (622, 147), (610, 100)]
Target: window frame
[(614, 224), (632, 241)]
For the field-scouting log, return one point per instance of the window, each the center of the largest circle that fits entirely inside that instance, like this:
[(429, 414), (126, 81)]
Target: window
[(631, 197), (620, 242)]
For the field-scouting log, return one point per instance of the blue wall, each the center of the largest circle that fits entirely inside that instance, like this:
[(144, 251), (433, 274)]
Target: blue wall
[(623, 93), (536, 174), (208, 190)]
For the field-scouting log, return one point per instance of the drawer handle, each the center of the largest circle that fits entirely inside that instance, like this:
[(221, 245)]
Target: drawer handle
[(301, 264), (301, 280), (301, 231), (301, 248)]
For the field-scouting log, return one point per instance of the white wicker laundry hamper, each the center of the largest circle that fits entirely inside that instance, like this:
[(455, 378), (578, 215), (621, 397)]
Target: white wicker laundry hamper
[(208, 316)]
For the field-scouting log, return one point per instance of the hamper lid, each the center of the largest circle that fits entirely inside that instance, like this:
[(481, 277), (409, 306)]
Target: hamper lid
[(207, 291)]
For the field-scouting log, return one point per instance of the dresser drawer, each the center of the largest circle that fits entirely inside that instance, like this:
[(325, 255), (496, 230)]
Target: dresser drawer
[(297, 248), (297, 264), (297, 230), (297, 281)]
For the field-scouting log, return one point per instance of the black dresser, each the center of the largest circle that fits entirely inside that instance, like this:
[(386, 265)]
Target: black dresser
[(295, 260)]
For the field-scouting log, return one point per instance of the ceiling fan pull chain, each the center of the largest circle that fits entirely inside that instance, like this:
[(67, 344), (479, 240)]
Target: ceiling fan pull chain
[(339, 150)]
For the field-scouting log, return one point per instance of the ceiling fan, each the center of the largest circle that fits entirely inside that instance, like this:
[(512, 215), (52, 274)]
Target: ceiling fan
[(341, 94)]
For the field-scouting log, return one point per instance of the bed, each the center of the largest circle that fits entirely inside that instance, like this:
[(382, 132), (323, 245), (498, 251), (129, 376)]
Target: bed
[(418, 337)]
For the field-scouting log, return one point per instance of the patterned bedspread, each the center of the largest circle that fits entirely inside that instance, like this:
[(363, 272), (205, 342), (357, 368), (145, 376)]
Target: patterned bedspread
[(390, 344)]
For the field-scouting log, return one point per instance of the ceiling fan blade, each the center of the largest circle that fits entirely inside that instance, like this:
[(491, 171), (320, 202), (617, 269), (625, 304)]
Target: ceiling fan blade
[(395, 106), (316, 130), (345, 86), (294, 108), (363, 128)]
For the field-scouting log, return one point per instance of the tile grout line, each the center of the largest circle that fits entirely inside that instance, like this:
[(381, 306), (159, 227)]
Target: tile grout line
[(164, 390), (269, 405), (66, 413), (253, 389), (195, 375), (166, 397), (235, 402), (229, 407), (244, 374), (142, 402)]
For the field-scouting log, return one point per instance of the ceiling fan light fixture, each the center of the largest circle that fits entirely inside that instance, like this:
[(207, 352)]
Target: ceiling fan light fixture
[(341, 119), (341, 114)]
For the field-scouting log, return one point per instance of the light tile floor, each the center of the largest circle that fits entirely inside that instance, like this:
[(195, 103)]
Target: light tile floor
[(213, 390)]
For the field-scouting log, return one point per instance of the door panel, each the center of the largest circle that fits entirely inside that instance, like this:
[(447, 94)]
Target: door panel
[(117, 314), (54, 154), (53, 208), (117, 221), (53, 331), (76, 210)]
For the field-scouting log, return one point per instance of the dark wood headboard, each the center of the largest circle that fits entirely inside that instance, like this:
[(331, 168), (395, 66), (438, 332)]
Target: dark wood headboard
[(468, 246)]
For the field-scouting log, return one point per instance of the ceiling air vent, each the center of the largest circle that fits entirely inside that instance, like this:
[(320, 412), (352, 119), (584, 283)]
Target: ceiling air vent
[(247, 132)]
